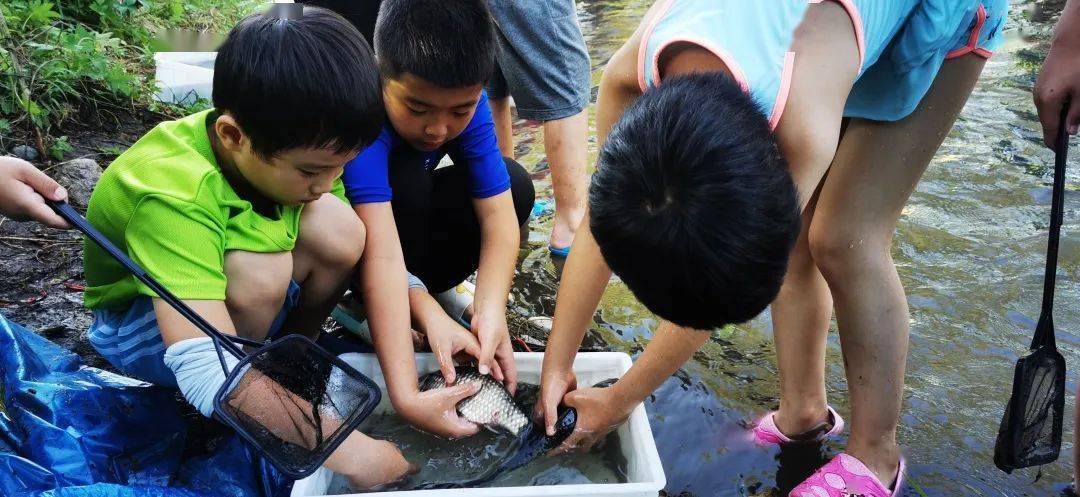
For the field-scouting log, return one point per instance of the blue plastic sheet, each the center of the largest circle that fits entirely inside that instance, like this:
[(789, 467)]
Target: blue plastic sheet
[(68, 430)]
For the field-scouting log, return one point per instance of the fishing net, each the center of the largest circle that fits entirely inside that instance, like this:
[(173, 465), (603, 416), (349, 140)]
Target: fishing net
[(291, 399), (1030, 432), (295, 402)]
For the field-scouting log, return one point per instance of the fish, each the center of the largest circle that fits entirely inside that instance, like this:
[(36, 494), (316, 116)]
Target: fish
[(492, 406)]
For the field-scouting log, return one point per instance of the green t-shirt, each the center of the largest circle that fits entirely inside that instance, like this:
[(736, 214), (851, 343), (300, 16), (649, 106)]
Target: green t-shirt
[(167, 204)]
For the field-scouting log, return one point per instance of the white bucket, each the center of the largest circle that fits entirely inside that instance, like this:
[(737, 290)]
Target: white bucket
[(184, 77), (644, 473)]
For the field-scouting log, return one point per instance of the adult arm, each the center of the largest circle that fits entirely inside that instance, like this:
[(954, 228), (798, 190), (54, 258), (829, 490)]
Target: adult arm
[(23, 190)]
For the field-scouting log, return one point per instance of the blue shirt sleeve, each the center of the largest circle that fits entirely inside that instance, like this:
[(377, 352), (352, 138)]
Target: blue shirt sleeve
[(478, 149), (367, 177)]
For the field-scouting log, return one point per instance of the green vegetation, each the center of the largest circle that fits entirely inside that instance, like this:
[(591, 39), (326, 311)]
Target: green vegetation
[(57, 59)]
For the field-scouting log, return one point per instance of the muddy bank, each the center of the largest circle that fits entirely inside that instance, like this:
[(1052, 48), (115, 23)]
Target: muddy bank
[(41, 281), (41, 273)]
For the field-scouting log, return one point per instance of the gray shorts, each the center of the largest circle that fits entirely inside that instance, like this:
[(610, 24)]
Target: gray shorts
[(543, 62)]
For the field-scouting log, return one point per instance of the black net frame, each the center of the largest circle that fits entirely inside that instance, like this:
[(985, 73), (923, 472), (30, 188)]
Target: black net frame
[(321, 366), (1031, 428), (337, 399)]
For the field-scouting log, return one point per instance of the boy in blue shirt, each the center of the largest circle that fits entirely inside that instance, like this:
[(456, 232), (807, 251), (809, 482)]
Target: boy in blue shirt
[(439, 225)]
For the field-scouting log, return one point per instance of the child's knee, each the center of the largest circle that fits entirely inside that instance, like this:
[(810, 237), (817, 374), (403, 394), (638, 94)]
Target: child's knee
[(841, 253), (339, 239), (257, 282), (346, 245), (332, 236)]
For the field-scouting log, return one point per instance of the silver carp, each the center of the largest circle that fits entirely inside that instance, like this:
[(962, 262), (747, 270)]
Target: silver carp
[(495, 408), (492, 406)]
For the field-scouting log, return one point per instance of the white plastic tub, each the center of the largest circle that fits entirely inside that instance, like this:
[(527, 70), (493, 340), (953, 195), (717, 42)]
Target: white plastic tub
[(644, 472), (184, 77)]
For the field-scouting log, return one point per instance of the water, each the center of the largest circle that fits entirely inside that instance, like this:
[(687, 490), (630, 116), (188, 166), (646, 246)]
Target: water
[(970, 250), (442, 460)]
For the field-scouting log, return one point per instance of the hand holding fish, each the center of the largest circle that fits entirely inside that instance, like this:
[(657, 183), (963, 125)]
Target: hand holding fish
[(435, 411), (554, 384), (599, 412), (448, 340), (496, 351)]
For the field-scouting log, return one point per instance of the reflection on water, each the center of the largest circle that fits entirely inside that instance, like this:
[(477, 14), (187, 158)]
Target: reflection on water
[(970, 249)]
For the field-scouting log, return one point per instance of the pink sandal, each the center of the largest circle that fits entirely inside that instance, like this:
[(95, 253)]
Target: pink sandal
[(767, 433), (845, 476)]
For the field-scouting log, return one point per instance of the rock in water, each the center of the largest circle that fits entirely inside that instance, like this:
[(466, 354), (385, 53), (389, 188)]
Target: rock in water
[(25, 152), (79, 176), (492, 406)]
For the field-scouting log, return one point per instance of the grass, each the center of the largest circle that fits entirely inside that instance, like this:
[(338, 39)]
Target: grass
[(199, 15), (61, 60)]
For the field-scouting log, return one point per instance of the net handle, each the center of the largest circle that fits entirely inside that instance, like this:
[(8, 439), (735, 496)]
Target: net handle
[(66, 211), (1044, 332)]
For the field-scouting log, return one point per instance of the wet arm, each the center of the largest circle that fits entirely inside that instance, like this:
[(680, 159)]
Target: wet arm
[(386, 299), (670, 348), (499, 235), (586, 274)]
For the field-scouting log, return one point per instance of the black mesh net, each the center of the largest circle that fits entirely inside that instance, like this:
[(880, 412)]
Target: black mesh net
[(1030, 433), (296, 403), (293, 400)]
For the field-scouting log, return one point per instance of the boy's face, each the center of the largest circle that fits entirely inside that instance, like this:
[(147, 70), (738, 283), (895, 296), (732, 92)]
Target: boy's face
[(291, 177), (425, 115), (295, 176)]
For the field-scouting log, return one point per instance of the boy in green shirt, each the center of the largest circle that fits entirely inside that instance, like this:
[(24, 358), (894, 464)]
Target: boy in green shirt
[(237, 208)]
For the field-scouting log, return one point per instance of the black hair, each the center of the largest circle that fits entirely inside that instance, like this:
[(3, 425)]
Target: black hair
[(307, 82), (692, 204), (449, 43)]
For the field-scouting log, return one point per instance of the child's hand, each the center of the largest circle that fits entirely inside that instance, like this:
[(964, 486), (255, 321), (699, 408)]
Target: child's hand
[(435, 411), (384, 464), (554, 385), (599, 412), (447, 340), (496, 352)]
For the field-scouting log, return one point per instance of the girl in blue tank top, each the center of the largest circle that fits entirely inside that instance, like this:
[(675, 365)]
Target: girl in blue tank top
[(721, 122)]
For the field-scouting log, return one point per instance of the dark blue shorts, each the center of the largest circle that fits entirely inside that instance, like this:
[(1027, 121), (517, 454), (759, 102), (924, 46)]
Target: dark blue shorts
[(542, 62)]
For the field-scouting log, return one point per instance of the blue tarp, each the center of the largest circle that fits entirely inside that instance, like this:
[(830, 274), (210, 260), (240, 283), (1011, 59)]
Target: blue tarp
[(69, 430)]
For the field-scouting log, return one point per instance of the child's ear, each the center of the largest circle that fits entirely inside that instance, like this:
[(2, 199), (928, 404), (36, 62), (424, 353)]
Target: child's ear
[(230, 134)]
